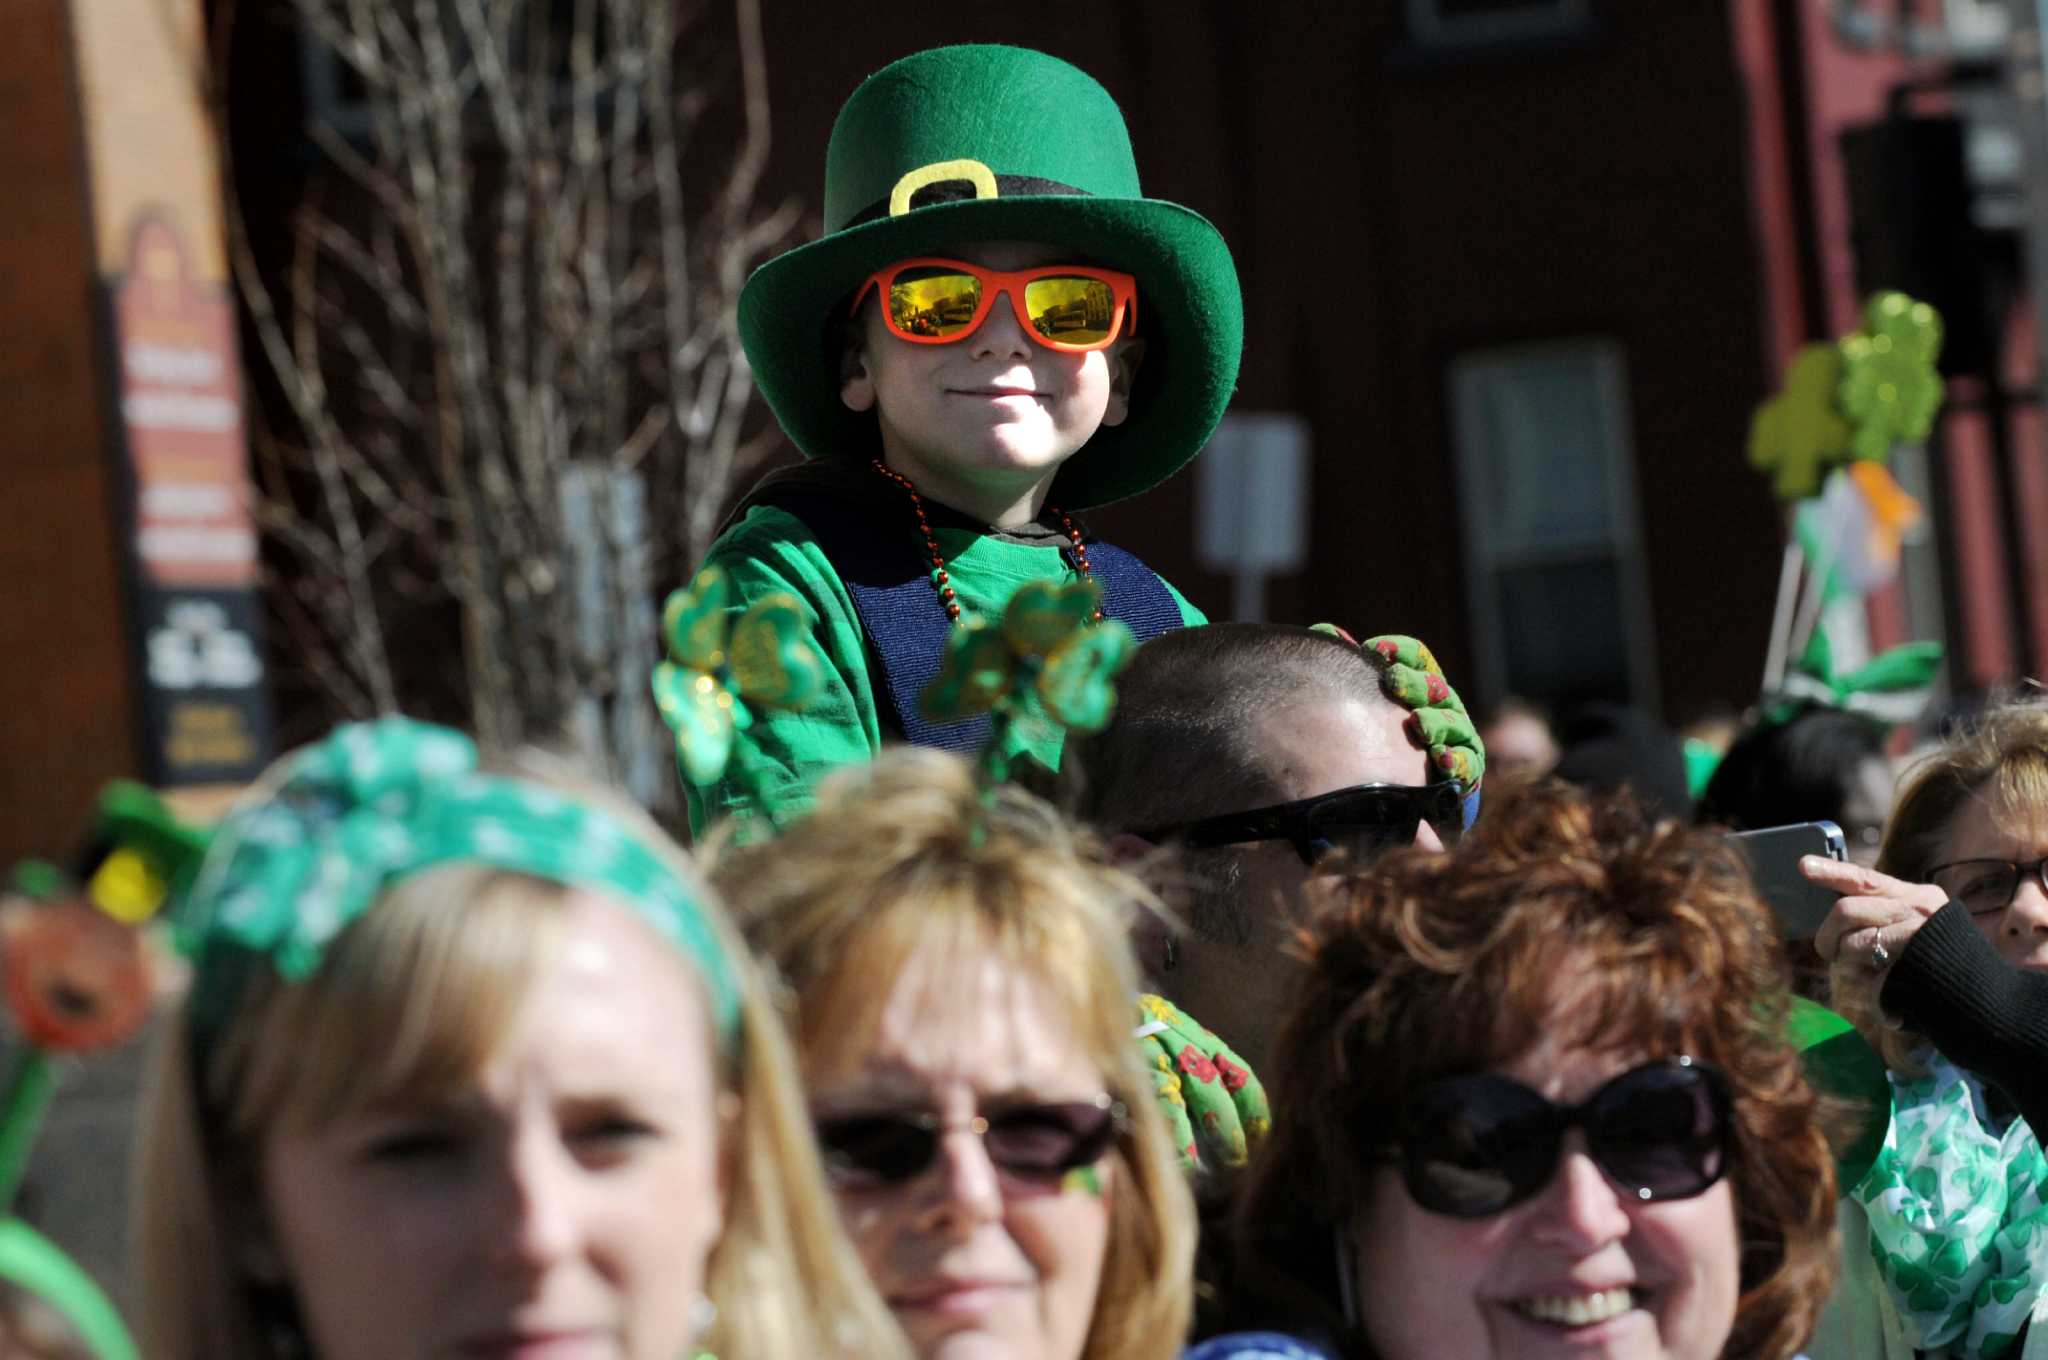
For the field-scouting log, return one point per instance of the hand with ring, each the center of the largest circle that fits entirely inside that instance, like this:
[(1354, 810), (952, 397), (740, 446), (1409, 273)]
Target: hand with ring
[(1870, 926)]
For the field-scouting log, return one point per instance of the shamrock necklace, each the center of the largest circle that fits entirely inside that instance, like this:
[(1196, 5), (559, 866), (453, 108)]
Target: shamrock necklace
[(941, 581)]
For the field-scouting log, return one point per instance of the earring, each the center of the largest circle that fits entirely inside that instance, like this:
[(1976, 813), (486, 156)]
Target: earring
[(703, 1317), (1347, 1273), (1170, 960), (276, 1312)]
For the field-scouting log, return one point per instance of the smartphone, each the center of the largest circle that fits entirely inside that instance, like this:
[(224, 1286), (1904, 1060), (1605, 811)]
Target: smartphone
[(1774, 854)]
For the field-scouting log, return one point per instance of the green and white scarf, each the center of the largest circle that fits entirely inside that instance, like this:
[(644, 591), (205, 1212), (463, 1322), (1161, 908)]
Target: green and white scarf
[(1958, 1225)]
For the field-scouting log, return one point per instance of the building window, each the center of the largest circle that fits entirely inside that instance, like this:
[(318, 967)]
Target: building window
[(1476, 23), (337, 97), (1553, 555)]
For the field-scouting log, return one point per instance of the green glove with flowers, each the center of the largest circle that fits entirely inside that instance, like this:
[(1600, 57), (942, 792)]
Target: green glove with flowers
[(1437, 720), (1212, 1102)]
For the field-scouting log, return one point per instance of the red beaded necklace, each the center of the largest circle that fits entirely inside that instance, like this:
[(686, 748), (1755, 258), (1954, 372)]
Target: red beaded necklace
[(941, 582)]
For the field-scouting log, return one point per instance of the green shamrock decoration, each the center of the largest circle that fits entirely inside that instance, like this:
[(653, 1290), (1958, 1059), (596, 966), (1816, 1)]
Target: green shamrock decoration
[(718, 666), (1798, 435), (1890, 389), (1999, 1291), (1044, 653)]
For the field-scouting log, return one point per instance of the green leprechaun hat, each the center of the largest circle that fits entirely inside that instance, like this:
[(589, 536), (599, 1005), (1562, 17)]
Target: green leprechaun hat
[(1848, 1071), (992, 143)]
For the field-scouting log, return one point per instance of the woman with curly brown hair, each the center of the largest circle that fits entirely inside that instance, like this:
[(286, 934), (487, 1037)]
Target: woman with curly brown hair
[(1535, 1100)]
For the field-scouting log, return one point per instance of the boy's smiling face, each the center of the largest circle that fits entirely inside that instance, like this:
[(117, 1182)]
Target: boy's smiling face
[(983, 424)]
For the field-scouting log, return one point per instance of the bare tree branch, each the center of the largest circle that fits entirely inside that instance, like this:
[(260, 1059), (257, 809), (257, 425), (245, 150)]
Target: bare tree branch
[(515, 389)]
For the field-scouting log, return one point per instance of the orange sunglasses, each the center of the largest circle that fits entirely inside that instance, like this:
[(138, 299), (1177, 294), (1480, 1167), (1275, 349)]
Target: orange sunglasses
[(1076, 308)]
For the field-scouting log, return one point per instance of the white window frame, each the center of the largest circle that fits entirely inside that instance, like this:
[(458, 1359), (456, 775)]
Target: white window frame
[(1473, 379)]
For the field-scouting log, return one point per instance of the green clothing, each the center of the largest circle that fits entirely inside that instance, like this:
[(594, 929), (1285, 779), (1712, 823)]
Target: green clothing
[(770, 549)]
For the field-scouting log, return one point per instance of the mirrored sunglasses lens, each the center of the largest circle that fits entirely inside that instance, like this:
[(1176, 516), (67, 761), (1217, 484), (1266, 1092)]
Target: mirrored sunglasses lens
[(1661, 1129), (1478, 1147), (1049, 1140), (875, 1150), (933, 303), (1070, 311)]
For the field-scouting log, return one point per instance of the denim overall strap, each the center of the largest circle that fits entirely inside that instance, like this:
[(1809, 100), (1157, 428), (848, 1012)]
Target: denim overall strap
[(889, 582)]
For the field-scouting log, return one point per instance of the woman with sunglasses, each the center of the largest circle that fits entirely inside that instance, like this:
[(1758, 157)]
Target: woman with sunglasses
[(1533, 1100), (471, 1065), (960, 989), (1940, 954)]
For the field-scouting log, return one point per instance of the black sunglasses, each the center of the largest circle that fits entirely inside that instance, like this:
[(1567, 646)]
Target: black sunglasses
[(1362, 820), (1032, 1142), (1473, 1146)]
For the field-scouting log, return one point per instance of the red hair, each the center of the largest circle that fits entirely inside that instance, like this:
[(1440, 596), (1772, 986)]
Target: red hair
[(1648, 936)]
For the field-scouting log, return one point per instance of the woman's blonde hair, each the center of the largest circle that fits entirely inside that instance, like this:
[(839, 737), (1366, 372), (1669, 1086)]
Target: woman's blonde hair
[(907, 855), (1999, 761), (408, 1003)]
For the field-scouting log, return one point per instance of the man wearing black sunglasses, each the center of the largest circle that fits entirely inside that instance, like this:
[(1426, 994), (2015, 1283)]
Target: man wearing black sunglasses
[(1267, 754)]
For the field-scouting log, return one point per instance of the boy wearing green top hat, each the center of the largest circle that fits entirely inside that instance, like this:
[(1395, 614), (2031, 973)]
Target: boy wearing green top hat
[(996, 331)]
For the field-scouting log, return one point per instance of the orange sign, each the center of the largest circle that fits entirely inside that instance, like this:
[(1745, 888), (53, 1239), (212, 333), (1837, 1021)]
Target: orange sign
[(181, 403)]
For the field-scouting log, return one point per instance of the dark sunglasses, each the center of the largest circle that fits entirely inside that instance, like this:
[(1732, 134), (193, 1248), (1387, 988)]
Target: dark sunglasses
[(1986, 886), (1032, 1142), (1362, 820), (1473, 1146)]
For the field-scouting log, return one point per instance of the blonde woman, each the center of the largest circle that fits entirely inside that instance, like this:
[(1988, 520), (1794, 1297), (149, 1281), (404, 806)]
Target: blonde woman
[(960, 989), (1940, 954), (471, 1066)]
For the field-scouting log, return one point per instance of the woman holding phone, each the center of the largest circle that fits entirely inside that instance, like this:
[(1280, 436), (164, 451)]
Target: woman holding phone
[(1948, 935), (1940, 955)]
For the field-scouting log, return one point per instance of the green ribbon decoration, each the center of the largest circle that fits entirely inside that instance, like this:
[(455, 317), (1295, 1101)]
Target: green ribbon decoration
[(376, 802), (718, 665), (1044, 659), (1213, 1102), (1958, 1223), (1891, 689)]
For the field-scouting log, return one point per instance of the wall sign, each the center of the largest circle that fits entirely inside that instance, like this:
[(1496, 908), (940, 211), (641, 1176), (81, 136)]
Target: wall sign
[(206, 716)]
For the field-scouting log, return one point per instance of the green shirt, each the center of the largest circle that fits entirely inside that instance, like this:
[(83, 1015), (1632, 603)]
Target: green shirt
[(770, 549)]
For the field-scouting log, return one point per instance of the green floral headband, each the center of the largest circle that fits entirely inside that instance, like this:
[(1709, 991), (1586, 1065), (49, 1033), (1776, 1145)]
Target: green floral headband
[(376, 802)]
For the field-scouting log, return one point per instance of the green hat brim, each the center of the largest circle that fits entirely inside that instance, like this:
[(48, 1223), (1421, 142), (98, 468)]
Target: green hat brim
[(1190, 316), (1841, 1064)]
